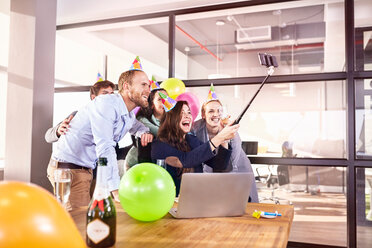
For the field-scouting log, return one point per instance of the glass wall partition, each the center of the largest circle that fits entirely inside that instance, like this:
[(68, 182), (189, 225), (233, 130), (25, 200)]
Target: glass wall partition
[(305, 37), (309, 117), (110, 50), (363, 35), (317, 194), (363, 118), (363, 203), (147, 39)]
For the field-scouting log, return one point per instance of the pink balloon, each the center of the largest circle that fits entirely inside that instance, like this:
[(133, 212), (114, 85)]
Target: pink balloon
[(193, 102)]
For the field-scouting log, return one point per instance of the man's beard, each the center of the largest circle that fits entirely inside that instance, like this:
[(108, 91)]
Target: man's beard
[(138, 99)]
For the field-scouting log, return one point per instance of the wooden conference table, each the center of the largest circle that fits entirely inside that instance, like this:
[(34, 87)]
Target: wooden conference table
[(244, 231)]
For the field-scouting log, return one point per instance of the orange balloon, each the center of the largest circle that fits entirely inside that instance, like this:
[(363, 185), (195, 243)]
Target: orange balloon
[(31, 217)]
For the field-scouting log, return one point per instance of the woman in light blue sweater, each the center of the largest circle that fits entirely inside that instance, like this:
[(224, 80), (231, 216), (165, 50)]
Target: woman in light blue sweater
[(209, 126)]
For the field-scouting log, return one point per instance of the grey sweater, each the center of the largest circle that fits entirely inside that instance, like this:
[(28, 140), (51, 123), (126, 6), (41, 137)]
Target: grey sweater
[(51, 133)]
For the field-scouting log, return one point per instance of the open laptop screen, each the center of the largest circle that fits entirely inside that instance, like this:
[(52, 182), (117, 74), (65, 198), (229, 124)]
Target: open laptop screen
[(213, 194)]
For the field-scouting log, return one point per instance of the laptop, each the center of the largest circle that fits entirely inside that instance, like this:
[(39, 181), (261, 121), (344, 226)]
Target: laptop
[(213, 195)]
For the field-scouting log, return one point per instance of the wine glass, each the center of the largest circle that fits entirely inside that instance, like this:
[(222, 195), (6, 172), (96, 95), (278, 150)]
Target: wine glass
[(161, 163), (225, 117), (62, 185)]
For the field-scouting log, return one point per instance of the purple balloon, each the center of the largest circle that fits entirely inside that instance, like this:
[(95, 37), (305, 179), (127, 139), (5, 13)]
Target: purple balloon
[(136, 109), (193, 102)]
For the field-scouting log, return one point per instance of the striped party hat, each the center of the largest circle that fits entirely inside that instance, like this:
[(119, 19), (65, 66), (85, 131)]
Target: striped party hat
[(136, 65), (167, 101), (212, 95)]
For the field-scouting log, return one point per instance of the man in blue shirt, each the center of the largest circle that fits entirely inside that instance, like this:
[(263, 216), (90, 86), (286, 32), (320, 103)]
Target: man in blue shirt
[(96, 129)]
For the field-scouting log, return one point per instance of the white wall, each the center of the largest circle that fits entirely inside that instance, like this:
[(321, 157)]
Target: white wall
[(4, 47), (76, 64)]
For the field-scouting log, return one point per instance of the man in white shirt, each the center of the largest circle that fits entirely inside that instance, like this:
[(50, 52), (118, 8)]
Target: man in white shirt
[(96, 129)]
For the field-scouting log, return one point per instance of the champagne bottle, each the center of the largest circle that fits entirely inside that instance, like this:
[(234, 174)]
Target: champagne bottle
[(101, 215)]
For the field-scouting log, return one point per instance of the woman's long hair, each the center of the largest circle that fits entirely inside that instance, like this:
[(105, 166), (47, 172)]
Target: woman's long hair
[(170, 131), (149, 110)]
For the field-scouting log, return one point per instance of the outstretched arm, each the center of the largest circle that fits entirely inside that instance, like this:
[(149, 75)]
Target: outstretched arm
[(53, 133)]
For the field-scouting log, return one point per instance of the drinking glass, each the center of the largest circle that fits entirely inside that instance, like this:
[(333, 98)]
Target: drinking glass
[(161, 163), (62, 185)]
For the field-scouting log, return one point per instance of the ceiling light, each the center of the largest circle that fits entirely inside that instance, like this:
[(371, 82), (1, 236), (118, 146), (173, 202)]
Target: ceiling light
[(220, 23), (187, 49)]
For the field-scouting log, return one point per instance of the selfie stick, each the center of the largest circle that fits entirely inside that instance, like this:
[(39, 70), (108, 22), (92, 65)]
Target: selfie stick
[(270, 71)]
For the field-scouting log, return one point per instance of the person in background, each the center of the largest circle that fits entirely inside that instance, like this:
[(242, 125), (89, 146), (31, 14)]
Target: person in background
[(150, 117), (96, 129), (101, 87), (211, 125), (184, 152)]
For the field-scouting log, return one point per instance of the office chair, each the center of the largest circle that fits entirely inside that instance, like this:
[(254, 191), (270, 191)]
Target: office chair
[(273, 176), (277, 175)]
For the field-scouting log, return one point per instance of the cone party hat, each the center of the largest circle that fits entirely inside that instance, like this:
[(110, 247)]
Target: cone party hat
[(167, 101), (136, 65), (212, 94), (153, 84), (99, 77)]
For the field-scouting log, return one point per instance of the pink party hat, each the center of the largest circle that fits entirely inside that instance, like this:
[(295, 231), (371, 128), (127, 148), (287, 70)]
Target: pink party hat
[(153, 84), (167, 101), (136, 65), (99, 77), (212, 95)]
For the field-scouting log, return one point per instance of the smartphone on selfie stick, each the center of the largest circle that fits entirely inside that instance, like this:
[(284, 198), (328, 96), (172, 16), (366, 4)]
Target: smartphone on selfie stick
[(269, 61)]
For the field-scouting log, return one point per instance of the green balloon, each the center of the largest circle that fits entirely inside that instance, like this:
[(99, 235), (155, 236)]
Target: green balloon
[(147, 192)]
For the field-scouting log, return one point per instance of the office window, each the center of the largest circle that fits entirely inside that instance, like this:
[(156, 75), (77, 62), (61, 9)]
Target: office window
[(111, 49), (363, 118), (66, 103), (307, 117), (363, 51), (76, 63), (305, 37), (363, 204), (363, 34), (317, 194), (147, 39)]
